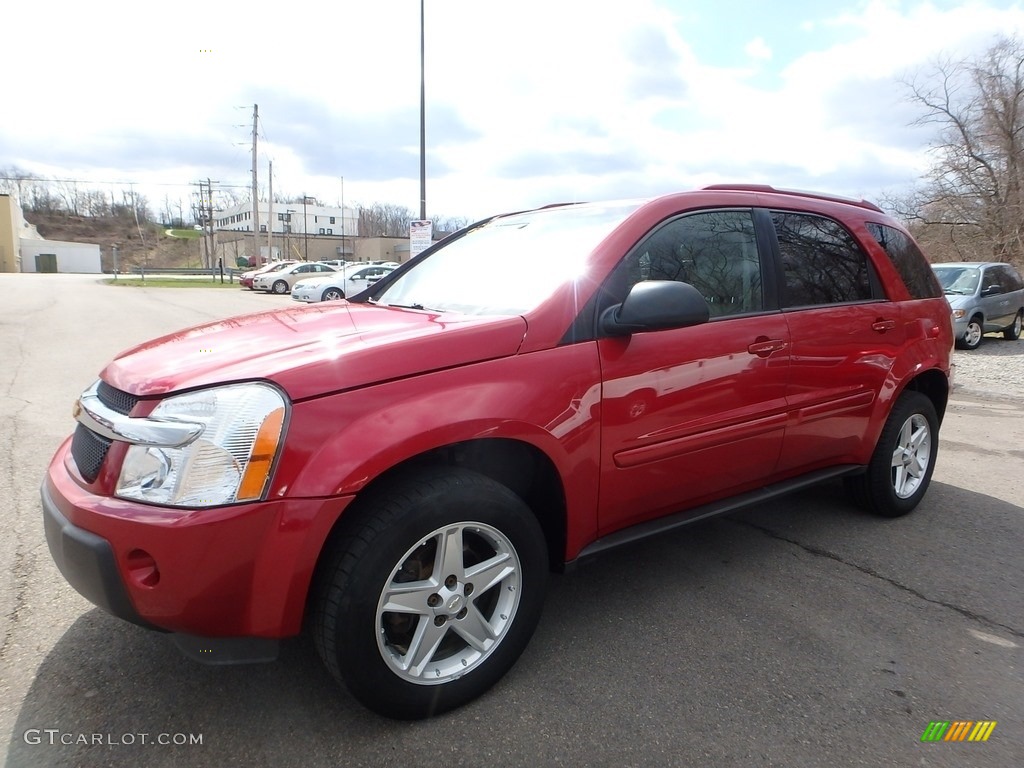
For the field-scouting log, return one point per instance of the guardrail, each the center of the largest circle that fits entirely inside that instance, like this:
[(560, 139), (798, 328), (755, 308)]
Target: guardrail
[(214, 273)]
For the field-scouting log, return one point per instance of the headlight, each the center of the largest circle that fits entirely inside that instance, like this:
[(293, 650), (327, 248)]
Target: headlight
[(229, 461), (959, 314)]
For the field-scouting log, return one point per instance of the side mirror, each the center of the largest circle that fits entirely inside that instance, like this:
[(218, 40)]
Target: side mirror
[(653, 305), (991, 290)]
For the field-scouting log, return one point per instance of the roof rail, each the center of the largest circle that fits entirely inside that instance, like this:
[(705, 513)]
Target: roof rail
[(796, 193)]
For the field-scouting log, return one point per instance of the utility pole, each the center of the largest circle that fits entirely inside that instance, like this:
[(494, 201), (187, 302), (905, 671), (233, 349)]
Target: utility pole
[(344, 251), (270, 216), (255, 188), (305, 228), (209, 219), (423, 121)]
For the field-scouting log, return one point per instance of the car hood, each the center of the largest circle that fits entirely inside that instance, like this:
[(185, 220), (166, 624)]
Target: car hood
[(313, 350), (959, 301)]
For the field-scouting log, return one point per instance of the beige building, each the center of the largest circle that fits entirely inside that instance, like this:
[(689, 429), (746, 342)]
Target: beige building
[(10, 224)]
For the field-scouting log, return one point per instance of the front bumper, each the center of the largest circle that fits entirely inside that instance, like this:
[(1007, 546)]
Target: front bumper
[(235, 571), (87, 562), (959, 327)]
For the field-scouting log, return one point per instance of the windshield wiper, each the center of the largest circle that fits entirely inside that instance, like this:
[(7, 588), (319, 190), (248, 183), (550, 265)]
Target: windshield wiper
[(406, 306), (955, 292)]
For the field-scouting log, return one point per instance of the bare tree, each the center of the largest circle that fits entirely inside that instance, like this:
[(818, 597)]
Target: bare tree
[(384, 220), (972, 204)]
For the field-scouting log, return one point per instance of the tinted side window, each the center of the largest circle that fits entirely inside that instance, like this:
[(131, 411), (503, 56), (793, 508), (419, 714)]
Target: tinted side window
[(904, 254), (821, 261), (714, 251), (990, 280), (1009, 279)]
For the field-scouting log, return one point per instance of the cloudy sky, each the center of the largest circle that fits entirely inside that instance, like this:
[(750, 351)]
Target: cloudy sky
[(529, 103)]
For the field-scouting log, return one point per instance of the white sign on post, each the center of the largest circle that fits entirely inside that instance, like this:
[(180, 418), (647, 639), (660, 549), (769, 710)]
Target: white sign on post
[(420, 237)]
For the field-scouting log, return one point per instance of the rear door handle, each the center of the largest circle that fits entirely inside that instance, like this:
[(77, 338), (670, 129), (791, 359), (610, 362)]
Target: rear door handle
[(882, 326), (764, 347)]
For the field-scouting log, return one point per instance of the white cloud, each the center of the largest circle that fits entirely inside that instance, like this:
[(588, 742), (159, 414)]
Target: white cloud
[(758, 49)]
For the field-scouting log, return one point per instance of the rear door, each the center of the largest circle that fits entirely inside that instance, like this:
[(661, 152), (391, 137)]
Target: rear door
[(693, 414), (845, 337)]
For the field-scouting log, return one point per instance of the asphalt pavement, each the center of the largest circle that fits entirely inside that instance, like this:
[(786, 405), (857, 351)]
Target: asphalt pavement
[(799, 633)]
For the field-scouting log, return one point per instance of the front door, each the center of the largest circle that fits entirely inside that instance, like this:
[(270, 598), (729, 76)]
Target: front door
[(693, 414)]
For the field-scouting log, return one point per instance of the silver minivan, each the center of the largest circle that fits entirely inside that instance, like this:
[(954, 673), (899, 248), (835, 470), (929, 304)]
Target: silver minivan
[(986, 297)]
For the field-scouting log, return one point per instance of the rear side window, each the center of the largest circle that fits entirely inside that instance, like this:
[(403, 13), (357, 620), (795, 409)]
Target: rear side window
[(1009, 280), (822, 263), (904, 254)]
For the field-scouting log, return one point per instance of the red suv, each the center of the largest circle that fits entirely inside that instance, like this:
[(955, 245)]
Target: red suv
[(398, 473)]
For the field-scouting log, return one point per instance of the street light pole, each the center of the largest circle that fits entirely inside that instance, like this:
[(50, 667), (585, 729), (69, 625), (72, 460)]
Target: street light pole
[(423, 120)]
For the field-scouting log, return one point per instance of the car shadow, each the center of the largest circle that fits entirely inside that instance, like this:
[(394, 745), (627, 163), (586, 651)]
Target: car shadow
[(630, 642)]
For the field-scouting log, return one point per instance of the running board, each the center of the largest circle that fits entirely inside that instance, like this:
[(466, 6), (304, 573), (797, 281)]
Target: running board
[(689, 516)]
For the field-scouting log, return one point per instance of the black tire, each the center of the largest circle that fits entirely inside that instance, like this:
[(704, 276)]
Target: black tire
[(396, 536), (333, 294), (973, 335), (1013, 332), (279, 287), (892, 490)]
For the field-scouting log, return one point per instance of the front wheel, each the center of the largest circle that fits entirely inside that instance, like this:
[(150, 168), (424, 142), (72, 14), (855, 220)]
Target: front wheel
[(434, 588), (901, 466), (332, 294), (1013, 332), (280, 287), (972, 336)]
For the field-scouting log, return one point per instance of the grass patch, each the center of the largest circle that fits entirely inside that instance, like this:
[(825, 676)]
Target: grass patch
[(169, 282), (184, 234)]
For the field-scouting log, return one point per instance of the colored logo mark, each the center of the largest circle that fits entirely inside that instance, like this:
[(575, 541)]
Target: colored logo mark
[(958, 730)]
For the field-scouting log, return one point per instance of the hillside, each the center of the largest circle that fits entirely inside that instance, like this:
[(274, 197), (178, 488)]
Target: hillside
[(153, 248)]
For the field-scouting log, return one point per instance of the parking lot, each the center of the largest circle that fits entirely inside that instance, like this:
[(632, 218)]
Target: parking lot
[(802, 632)]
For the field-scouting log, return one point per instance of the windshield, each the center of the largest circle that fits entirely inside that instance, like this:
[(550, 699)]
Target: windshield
[(509, 265), (958, 280)]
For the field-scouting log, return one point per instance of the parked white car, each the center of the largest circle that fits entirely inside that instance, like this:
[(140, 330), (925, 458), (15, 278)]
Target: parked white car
[(344, 283), (282, 280)]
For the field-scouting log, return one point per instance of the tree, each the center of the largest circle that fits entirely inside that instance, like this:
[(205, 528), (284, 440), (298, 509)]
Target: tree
[(970, 207)]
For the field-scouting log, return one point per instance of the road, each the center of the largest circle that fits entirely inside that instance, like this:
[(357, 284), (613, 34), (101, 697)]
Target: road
[(799, 633)]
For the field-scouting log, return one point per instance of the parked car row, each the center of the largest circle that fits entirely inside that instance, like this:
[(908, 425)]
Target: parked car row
[(316, 281)]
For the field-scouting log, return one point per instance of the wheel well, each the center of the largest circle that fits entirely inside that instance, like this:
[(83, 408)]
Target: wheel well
[(520, 467), (933, 385)]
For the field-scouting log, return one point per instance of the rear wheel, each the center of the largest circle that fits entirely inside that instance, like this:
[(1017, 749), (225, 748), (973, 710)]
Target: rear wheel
[(900, 469), (332, 294), (1013, 332), (433, 590)]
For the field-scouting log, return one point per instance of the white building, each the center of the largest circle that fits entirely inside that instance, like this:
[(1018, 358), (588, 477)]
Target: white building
[(290, 218)]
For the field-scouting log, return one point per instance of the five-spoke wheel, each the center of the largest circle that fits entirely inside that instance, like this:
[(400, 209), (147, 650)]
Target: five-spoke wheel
[(432, 588)]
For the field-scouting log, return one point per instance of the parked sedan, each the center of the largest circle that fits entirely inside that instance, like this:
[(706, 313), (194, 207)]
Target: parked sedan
[(247, 277), (346, 282), (282, 280), (986, 297)]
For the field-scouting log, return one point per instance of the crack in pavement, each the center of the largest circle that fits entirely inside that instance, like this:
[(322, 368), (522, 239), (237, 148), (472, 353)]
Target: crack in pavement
[(819, 552)]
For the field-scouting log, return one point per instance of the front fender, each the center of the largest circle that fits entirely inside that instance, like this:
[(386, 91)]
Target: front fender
[(550, 399)]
